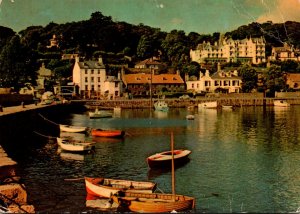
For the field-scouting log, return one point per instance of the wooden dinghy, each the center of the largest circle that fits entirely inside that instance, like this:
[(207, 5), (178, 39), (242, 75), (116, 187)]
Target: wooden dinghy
[(73, 129), (155, 202), (106, 187), (164, 159), (107, 133), (72, 145)]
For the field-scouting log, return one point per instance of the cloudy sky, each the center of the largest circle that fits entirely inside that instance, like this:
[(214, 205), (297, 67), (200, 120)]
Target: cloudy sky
[(201, 16)]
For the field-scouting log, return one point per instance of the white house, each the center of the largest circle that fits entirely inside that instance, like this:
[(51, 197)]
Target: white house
[(91, 79), (229, 82), (228, 50)]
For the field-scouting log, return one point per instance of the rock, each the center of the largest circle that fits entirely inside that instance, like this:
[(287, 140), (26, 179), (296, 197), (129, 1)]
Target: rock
[(13, 193), (21, 209)]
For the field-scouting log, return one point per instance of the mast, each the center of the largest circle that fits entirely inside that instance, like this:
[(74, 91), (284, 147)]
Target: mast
[(150, 88), (173, 170)]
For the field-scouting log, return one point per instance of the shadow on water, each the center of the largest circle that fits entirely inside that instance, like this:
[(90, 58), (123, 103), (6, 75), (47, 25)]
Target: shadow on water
[(156, 172)]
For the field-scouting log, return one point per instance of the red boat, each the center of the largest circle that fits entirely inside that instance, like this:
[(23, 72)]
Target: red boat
[(164, 159), (107, 133)]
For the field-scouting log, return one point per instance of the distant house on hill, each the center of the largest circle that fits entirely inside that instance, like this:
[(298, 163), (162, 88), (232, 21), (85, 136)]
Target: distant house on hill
[(139, 84), (92, 81), (248, 50), (69, 56), (285, 53), (53, 42), (150, 63), (293, 80)]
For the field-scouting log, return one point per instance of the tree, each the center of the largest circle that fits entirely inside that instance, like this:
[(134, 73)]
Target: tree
[(144, 49), (275, 80), (17, 64), (249, 78)]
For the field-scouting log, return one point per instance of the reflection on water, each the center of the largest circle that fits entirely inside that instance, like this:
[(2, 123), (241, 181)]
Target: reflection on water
[(244, 160)]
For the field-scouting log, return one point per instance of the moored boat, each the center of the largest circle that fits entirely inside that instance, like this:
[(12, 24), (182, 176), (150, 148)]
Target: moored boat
[(281, 103), (100, 114), (106, 187), (161, 105), (164, 159), (211, 104), (155, 202), (72, 145), (68, 128), (107, 133), (190, 117)]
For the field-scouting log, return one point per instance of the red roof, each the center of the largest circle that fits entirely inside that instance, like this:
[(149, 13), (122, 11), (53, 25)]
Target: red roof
[(156, 79)]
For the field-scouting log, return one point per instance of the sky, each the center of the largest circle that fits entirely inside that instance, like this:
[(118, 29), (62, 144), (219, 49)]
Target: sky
[(200, 16)]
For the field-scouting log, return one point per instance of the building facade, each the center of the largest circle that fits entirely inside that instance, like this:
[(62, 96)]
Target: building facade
[(221, 81), (285, 53), (141, 83), (249, 50), (91, 79)]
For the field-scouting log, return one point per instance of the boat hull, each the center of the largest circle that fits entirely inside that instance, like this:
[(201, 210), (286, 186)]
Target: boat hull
[(281, 103), (104, 187), (154, 202), (73, 129), (108, 133), (164, 159), (213, 104), (74, 146)]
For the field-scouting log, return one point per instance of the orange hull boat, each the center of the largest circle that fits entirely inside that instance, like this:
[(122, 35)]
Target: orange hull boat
[(107, 133)]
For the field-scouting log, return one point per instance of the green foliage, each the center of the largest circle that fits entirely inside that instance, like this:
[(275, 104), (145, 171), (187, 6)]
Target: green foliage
[(275, 79), (249, 78), (17, 64)]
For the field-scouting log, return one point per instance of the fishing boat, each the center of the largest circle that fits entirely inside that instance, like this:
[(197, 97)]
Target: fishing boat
[(161, 105), (155, 202), (100, 114), (281, 103), (73, 129), (190, 117), (211, 104), (106, 187), (229, 107), (72, 145), (107, 133), (164, 159)]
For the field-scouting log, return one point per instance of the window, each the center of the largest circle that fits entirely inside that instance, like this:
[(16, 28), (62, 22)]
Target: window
[(116, 84), (85, 71), (98, 79), (92, 71), (98, 71), (192, 85), (93, 88), (92, 79), (86, 87), (86, 79)]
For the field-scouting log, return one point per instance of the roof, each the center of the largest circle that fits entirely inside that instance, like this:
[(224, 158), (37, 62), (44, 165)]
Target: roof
[(90, 65), (293, 77), (225, 75), (149, 61), (156, 79)]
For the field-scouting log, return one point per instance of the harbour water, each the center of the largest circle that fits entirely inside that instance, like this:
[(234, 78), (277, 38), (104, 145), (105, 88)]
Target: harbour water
[(243, 160)]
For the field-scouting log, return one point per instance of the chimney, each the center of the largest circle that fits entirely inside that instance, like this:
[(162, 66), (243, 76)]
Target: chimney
[(100, 61)]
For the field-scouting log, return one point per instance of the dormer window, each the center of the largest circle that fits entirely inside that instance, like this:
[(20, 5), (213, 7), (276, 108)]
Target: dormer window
[(138, 78), (164, 78), (174, 78)]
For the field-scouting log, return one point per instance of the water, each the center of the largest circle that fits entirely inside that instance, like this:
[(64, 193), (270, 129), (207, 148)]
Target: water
[(243, 160)]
